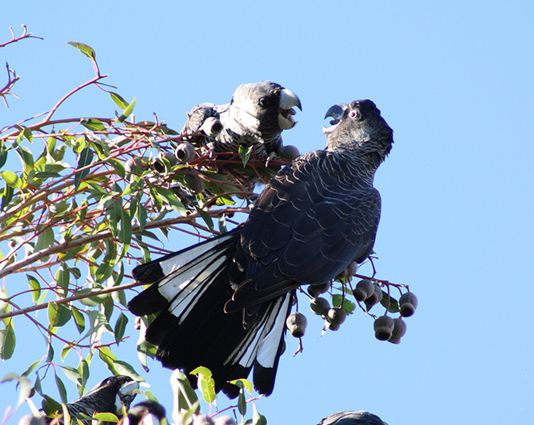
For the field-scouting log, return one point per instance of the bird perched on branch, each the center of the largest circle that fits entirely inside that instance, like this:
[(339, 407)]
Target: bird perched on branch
[(252, 122), (223, 302), (256, 117), (110, 395), (355, 417)]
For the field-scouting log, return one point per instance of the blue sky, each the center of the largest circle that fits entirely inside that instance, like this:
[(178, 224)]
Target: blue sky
[(453, 79)]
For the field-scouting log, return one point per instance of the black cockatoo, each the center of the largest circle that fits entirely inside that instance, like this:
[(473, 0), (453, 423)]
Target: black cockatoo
[(223, 302)]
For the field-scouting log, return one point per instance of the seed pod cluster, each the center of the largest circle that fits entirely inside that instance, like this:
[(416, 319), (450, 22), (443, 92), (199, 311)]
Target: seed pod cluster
[(368, 292)]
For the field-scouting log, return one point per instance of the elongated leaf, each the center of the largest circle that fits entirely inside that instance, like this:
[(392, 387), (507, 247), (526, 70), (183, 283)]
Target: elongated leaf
[(93, 124), (35, 287), (84, 48), (3, 155), (84, 159), (58, 314), (45, 239), (206, 384), (128, 110), (119, 100), (11, 178), (106, 417), (79, 319), (8, 342), (61, 388), (120, 327)]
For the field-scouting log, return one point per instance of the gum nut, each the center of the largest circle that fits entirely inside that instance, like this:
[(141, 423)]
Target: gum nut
[(224, 420), (318, 289), (289, 152), (202, 420), (383, 328), (296, 323), (211, 126), (364, 289), (336, 315), (319, 305), (185, 152), (378, 292), (331, 326), (394, 340), (399, 328), (407, 304), (348, 273)]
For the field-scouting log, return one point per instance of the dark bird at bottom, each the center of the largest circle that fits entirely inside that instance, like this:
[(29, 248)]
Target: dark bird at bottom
[(223, 303), (354, 417), (110, 395)]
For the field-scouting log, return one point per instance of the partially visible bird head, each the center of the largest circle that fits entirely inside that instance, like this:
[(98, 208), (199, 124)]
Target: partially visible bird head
[(121, 387), (148, 412), (358, 126), (353, 417), (266, 105)]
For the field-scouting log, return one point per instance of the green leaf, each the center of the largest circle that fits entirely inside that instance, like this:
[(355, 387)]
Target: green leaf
[(50, 405), (28, 134), (31, 368), (118, 166), (120, 327), (389, 303), (83, 369), (187, 397), (63, 277), (242, 403), (206, 383), (11, 178), (50, 353), (3, 155), (79, 319), (27, 158), (244, 154), (8, 342), (58, 314), (61, 388), (65, 351), (119, 100), (106, 417), (73, 374), (125, 230), (45, 239), (84, 159), (35, 287), (93, 124), (84, 48), (128, 110), (348, 305)]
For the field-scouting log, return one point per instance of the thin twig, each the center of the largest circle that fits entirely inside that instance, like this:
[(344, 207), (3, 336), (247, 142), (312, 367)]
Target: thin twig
[(14, 38)]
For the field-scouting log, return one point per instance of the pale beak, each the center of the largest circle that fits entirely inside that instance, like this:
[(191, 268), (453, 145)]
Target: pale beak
[(288, 100)]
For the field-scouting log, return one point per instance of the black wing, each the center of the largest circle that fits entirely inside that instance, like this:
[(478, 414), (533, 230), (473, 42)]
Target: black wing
[(312, 220)]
